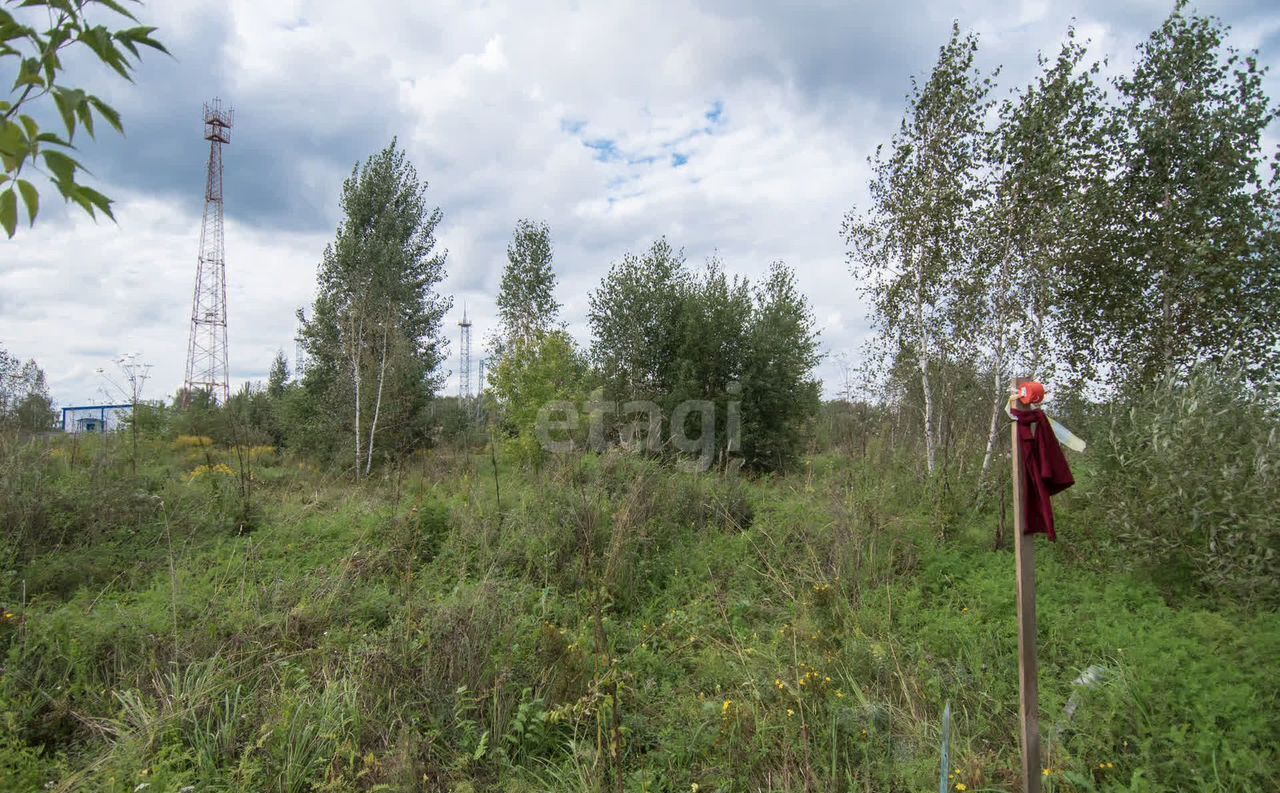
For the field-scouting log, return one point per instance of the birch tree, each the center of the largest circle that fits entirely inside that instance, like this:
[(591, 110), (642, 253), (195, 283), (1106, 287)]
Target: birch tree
[(910, 247), (1192, 271), (374, 336), (1046, 158)]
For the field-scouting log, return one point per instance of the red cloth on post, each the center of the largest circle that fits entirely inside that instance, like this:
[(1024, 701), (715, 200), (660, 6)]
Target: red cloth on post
[(1044, 471)]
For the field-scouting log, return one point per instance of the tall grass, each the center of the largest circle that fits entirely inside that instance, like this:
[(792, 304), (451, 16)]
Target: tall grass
[(614, 624)]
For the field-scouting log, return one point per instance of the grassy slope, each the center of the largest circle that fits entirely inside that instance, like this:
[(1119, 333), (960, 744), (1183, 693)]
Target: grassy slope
[(789, 634)]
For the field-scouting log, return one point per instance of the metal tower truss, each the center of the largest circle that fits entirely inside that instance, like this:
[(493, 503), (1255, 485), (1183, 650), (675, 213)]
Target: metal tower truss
[(464, 373), (207, 368)]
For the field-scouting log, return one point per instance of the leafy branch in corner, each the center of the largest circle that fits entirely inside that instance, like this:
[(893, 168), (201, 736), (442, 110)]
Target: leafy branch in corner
[(38, 57)]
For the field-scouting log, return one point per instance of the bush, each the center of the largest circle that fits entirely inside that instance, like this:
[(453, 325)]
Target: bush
[(1187, 484)]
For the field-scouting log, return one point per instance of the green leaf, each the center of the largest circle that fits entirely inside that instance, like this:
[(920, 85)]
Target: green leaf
[(142, 35), (12, 142), (100, 40), (107, 112), (28, 74), (31, 198), (73, 192), (32, 128), (116, 7), (49, 137), (98, 200), (63, 167), (9, 211), (85, 115), (133, 48), (58, 5), (66, 104)]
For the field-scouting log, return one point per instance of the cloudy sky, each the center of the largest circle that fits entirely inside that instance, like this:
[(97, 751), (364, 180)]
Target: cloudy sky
[(738, 128)]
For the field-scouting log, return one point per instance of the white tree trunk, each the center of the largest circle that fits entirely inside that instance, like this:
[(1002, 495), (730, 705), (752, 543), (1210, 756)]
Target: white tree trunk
[(922, 355), (930, 440), (354, 341), (377, 405), (992, 434)]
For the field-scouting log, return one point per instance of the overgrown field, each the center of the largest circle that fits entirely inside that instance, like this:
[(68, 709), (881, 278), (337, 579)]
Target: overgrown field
[(613, 625)]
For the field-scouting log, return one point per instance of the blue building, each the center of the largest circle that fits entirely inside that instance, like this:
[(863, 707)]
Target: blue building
[(94, 418)]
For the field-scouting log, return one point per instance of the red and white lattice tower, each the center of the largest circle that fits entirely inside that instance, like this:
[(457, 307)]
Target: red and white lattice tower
[(207, 368)]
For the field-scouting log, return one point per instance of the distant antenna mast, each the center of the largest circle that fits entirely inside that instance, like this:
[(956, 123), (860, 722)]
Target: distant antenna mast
[(464, 370), (207, 345), (299, 353)]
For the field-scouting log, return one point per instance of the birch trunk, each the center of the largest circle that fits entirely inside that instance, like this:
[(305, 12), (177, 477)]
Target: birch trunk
[(998, 389), (992, 433), (354, 341), (377, 405), (1004, 343), (922, 355)]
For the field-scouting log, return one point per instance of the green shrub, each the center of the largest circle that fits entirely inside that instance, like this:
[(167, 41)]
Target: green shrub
[(1188, 480)]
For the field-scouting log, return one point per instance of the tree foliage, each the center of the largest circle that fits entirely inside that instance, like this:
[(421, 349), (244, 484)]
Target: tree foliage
[(663, 333), (635, 317), (910, 248), (278, 377), (37, 57), (25, 403), (373, 340), (532, 373), (1194, 271), (1084, 239), (527, 306)]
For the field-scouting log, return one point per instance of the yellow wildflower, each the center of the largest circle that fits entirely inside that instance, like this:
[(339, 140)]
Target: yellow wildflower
[(962, 787), (728, 704), (790, 713)]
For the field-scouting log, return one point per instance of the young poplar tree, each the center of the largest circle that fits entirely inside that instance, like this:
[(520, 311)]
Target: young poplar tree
[(527, 305), (278, 377), (910, 247), (780, 394), (374, 338)]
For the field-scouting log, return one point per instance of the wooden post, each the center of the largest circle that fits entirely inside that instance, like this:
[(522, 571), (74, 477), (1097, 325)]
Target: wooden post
[(1025, 566)]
